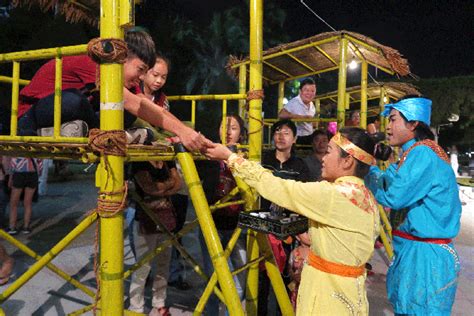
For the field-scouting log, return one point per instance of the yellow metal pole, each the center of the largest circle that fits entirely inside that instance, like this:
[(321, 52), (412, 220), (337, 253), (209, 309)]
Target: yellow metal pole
[(347, 101), (213, 279), (193, 112), (242, 89), (209, 232), (50, 255), (383, 120), (22, 82), (317, 104), (58, 83), (15, 94), (224, 122), (255, 106), (45, 53), (341, 87), (251, 291), (255, 133), (386, 232), (50, 266), (363, 95), (111, 178), (281, 95)]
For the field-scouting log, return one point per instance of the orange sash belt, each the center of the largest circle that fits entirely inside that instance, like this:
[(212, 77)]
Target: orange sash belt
[(334, 268), (439, 241)]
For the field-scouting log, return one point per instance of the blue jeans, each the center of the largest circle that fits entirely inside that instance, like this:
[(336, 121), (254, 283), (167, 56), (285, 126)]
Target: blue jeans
[(74, 106), (237, 258)]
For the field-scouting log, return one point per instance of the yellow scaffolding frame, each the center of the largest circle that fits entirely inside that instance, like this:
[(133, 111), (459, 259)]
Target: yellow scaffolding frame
[(115, 15), (110, 178)]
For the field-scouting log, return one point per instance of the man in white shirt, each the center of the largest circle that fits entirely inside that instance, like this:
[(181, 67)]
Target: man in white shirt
[(302, 106)]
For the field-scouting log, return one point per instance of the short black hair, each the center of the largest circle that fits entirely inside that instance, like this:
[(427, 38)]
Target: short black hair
[(361, 139), (320, 132), (306, 82), (286, 122), (141, 45)]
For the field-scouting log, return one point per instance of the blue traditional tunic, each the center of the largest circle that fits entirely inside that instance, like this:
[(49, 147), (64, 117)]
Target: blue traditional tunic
[(422, 278)]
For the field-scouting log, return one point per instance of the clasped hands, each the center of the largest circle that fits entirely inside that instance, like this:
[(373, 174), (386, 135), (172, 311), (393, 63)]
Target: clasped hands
[(195, 141)]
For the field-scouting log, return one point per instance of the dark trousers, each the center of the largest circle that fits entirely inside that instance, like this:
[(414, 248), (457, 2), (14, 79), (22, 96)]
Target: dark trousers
[(74, 106), (264, 297), (180, 203)]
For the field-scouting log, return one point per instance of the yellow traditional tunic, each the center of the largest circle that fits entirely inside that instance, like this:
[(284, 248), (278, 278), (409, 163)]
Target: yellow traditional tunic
[(343, 225)]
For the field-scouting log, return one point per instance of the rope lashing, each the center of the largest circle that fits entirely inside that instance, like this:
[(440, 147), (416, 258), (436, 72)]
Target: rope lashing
[(107, 207), (254, 95), (113, 142), (107, 50)]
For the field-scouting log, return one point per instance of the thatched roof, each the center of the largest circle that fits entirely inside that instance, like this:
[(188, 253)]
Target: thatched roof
[(393, 90), (320, 53), (73, 10)]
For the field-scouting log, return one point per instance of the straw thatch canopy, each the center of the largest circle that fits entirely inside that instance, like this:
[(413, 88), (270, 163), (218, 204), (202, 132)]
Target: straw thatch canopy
[(392, 90), (73, 10), (320, 53)]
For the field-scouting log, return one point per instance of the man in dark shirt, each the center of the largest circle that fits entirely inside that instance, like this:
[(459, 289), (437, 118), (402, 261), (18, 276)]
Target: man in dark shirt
[(282, 160), (283, 163), (314, 161)]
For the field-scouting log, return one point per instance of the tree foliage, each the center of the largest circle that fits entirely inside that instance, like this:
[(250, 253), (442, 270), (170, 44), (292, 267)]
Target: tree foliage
[(453, 95)]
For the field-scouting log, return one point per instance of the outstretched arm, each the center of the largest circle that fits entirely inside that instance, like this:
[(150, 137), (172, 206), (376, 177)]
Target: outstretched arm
[(294, 195), (150, 112)]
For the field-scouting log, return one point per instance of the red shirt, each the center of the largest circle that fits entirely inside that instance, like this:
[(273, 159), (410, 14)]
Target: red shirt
[(77, 72)]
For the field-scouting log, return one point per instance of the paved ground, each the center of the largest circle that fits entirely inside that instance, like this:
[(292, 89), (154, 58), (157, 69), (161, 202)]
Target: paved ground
[(68, 201)]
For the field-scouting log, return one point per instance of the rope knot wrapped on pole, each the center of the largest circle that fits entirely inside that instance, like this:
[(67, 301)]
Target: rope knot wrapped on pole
[(107, 50), (113, 142), (254, 95)]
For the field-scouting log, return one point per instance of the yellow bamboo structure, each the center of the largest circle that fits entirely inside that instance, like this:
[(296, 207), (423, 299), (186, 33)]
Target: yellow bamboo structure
[(50, 255), (6, 79), (281, 95), (363, 94), (27, 250), (382, 101), (386, 233), (58, 83), (209, 231), (255, 135), (15, 93), (255, 81), (115, 15), (242, 89), (110, 170), (341, 87)]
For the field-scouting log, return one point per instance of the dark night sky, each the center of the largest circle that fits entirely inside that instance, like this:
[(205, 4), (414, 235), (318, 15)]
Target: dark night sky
[(437, 37)]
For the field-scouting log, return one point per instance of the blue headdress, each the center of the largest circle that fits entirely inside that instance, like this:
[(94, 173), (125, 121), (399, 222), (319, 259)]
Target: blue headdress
[(414, 109)]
